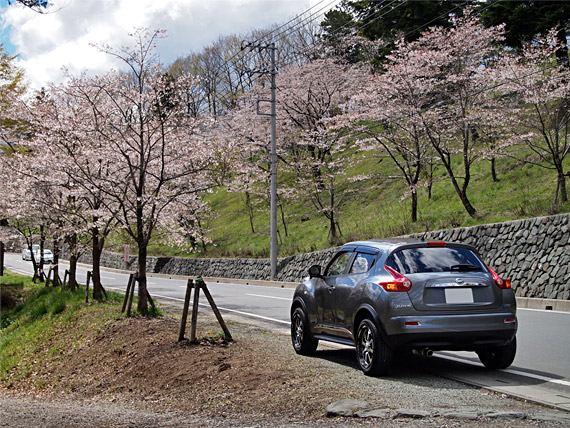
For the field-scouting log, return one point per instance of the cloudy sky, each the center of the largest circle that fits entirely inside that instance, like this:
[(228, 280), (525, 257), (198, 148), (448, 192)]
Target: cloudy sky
[(62, 37)]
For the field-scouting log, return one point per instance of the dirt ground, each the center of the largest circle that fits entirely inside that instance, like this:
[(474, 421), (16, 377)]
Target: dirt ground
[(140, 361), (138, 365)]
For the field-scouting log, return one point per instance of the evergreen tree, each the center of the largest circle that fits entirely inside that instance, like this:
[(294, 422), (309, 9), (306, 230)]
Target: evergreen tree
[(388, 20), (525, 20)]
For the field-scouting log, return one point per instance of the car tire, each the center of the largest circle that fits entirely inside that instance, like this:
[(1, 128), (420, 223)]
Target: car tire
[(303, 341), (499, 357), (373, 356)]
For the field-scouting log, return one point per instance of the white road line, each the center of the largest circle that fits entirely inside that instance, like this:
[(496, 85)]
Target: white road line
[(20, 271), (231, 310), (511, 371), (269, 297), (543, 310)]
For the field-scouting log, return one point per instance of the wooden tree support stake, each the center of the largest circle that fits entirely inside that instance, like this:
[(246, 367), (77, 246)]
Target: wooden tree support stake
[(216, 311), (1, 258), (197, 285), (189, 287), (48, 279), (128, 291), (150, 300), (65, 278), (131, 295), (194, 319), (87, 286)]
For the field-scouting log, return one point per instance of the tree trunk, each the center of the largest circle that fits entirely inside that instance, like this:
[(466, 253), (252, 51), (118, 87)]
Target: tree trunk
[(414, 206), (72, 272), (96, 250), (283, 220), (56, 263), (494, 171), (249, 211), (73, 261), (142, 306), (35, 264), (562, 186), (332, 222), (467, 205), (41, 257), (332, 228), (461, 192)]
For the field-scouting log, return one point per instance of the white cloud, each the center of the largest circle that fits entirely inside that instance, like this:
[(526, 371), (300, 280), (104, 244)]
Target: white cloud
[(47, 42)]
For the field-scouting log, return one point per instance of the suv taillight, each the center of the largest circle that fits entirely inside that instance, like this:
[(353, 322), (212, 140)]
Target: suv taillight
[(400, 282), (502, 283)]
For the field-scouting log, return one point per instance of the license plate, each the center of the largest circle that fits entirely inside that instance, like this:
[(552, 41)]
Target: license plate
[(458, 295)]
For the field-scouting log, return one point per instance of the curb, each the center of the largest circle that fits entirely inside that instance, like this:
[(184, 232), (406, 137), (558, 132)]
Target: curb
[(522, 302), (543, 304), (258, 282)]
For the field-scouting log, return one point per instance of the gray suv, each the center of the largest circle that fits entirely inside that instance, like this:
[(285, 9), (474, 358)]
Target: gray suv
[(400, 295)]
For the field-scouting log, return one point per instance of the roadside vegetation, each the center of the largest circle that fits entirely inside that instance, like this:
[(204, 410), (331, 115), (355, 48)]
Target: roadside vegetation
[(36, 322), (376, 209)]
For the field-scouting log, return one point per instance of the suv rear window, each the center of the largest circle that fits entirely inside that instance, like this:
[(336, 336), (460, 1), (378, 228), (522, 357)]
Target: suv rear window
[(434, 259)]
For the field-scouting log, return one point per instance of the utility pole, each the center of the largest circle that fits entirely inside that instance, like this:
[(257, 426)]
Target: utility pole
[(273, 205), (273, 155)]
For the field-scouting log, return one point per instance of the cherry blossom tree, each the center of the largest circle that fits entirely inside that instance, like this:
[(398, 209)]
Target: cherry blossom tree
[(12, 88), (433, 94), (30, 204), (464, 55), (312, 127), (310, 130), (156, 157), (535, 91), (388, 109), (66, 144)]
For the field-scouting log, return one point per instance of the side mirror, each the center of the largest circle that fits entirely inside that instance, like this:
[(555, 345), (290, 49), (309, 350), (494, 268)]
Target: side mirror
[(315, 271)]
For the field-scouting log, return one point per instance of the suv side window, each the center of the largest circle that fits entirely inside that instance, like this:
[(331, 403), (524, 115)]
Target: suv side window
[(362, 263), (338, 265)]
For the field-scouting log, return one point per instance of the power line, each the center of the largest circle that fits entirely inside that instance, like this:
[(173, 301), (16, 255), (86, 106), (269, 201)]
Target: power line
[(298, 24), (282, 35)]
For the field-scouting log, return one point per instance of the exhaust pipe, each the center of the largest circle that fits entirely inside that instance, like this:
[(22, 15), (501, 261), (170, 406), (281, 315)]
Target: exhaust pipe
[(426, 352)]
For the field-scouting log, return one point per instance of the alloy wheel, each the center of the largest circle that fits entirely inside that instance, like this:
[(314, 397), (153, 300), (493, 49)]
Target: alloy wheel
[(365, 346)]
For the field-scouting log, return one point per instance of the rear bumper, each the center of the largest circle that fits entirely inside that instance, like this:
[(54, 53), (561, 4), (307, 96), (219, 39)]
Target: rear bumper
[(451, 332)]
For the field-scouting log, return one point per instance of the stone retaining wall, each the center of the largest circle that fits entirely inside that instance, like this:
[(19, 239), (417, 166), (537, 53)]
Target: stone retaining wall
[(534, 253)]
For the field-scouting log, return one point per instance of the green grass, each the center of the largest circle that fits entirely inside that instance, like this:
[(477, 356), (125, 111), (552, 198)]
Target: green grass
[(375, 208), (32, 316)]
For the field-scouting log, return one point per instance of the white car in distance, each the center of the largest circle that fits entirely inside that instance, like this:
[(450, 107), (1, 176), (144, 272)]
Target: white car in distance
[(26, 255)]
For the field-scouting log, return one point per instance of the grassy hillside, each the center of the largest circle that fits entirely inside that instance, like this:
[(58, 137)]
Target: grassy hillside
[(376, 209)]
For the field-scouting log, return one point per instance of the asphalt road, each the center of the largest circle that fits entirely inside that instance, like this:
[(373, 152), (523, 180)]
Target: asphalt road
[(540, 372)]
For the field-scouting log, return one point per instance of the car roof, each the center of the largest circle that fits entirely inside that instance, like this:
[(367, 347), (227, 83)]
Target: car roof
[(392, 243), (382, 243)]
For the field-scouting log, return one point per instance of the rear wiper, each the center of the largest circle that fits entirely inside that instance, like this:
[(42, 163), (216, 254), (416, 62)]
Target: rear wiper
[(465, 268)]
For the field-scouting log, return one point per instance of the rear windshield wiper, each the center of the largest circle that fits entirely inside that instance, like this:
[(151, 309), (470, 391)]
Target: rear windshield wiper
[(465, 268)]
